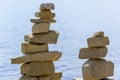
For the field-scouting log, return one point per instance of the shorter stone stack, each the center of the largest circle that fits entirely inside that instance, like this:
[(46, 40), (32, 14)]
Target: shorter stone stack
[(38, 60), (96, 68)]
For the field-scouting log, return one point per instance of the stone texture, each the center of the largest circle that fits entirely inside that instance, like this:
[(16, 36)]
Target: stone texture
[(31, 48), (38, 68), (47, 56), (28, 78), (45, 14), (97, 41), (50, 37), (40, 28), (56, 76), (95, 69), (24, 68), (42, 20), (86, 53), (46, 6), (99, 34)]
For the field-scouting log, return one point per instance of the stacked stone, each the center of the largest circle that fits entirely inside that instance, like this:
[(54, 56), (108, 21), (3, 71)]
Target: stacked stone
[(96, 68), (38, 60)]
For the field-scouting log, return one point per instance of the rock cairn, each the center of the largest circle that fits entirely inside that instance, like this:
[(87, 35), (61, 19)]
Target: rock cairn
[(96, 68), (38, 60)]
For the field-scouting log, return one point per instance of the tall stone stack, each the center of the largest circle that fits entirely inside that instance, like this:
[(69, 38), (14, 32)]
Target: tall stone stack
[(37, 62), (96, 67)]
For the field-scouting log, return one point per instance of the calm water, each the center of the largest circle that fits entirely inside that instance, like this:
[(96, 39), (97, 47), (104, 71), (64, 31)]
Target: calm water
[(76, 21)]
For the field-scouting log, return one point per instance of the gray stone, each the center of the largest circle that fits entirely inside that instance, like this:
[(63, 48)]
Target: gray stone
[(86, 53), (50, 37), (46, 6)]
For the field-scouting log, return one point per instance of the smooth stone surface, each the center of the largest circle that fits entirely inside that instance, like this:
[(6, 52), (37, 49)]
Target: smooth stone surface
[(31, 48), (86, 53), (99, 34), (42, 20), (50, 37), (38, 68), (56, 76), (47, 56), (45, 14), (95, 69), (40, 28), (97, 41), (28, 78), (45, 6)]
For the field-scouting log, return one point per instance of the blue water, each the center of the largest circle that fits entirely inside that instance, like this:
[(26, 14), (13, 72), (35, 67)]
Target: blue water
[(76, 21)]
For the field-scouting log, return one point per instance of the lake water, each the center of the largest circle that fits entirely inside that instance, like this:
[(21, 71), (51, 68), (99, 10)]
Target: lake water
[(76, 21)]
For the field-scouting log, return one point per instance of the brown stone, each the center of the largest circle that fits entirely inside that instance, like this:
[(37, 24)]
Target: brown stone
[(56, 76), (99, 34), (46, 6), (40, 28), (47, 56), (24, 68), (86, 53), (42, 20), (38, 68), (95, 69), (45, 14), (30, 48), (97, 41), (28, 78), (50, 37)]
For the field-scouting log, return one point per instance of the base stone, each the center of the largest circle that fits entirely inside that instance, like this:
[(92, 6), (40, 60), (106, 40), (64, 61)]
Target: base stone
[(111, 78)]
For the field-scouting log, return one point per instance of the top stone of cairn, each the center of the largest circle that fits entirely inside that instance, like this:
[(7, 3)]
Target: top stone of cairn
[(99, 34), (46, 6), (98, 40)]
